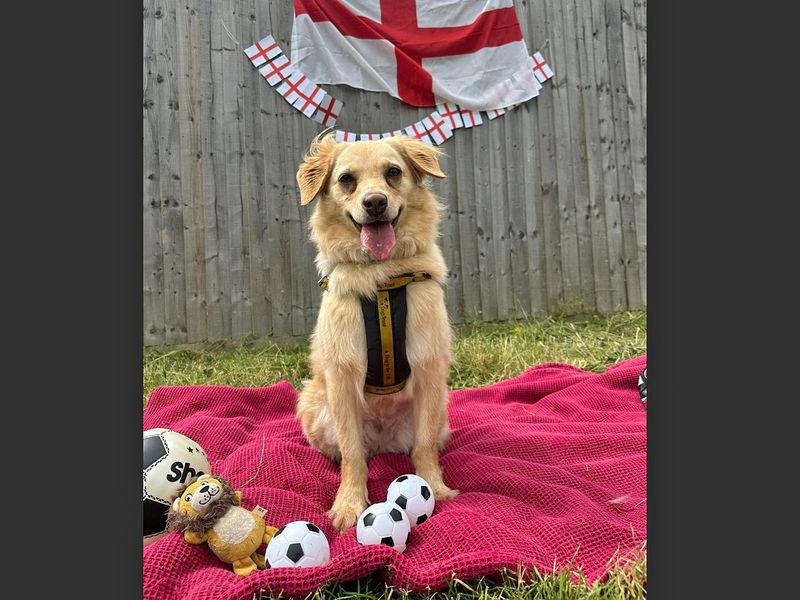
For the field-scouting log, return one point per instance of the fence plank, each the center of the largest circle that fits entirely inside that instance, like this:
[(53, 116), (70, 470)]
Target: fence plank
[(594, 166), (548, 183), (153, 264), (577, 143), (620, 100), (609, 161), (565, 188), (516, 222), (254, 195), (638, 141), (467, 226), (498, 172), (483, 222), (192, 162), (533, 238), (449, 231)]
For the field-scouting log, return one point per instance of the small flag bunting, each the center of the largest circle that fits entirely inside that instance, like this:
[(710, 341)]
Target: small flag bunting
[(418, 130), (328, 111), (437, 127), (541, 69), (344, 136), (277, 70), (471, 118), (309, 97), (262, 51), (451, 114)]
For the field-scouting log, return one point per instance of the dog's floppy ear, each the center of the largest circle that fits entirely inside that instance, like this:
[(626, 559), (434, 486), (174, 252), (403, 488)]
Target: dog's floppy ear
[(423, 157), (312, 176)]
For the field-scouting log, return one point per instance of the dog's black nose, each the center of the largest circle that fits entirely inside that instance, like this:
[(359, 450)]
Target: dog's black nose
[(204, 489), (375, 204)]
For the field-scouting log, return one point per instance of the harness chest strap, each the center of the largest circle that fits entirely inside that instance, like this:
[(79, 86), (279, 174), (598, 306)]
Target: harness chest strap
[(394, 282), (385, 328)]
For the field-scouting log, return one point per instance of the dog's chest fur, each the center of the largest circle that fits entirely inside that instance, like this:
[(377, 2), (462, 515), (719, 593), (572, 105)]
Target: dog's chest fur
[(389, 421)]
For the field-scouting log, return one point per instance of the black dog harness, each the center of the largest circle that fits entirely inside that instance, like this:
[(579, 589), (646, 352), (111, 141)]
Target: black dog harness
[(385, 326)]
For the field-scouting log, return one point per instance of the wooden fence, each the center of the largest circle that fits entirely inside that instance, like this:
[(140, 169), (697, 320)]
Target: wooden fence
[(547, 204)]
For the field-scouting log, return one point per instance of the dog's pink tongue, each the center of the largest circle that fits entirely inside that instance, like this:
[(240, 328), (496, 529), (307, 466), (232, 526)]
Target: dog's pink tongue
[(379, 238)]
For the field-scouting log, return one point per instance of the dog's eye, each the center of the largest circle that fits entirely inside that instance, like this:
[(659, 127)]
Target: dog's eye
[(346, 178), (188, 498), (393, 172)]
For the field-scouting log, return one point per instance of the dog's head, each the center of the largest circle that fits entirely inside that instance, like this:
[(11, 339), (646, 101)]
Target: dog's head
[(374, 198)]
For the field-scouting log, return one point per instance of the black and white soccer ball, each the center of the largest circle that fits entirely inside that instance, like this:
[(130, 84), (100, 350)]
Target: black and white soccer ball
[(298, 544), (171, 462), (643, 386), (414, 495), (383, 523)]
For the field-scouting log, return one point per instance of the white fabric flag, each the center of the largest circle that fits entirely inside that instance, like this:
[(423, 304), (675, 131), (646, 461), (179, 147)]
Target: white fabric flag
[(369, 136), (423, 52)]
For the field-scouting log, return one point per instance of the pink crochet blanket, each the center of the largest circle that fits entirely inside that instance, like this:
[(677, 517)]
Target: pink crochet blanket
[(551, 466)]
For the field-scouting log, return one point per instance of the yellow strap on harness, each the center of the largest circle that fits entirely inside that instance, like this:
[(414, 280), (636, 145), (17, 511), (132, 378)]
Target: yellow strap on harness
[(387, 338), (394, 282)]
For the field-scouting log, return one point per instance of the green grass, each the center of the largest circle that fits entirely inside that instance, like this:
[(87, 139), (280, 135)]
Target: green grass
[(484, 353)]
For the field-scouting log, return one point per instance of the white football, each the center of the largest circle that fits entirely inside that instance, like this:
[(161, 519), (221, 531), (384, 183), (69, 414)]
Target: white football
[(171, 462), (383, 523), (298, 544), (414, 495)]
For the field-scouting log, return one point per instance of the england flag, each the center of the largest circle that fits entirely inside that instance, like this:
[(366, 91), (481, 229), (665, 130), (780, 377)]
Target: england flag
[(423, 52)]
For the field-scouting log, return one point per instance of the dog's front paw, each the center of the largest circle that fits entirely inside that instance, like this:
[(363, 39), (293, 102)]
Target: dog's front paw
[(442, 492), (344, 514)]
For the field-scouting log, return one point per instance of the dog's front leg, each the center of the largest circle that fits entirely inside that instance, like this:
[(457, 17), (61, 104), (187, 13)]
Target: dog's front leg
[(429, 341), (430, 418), (345, 400)]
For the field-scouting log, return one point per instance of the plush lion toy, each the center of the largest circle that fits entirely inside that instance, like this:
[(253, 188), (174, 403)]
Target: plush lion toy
[(209, 510)]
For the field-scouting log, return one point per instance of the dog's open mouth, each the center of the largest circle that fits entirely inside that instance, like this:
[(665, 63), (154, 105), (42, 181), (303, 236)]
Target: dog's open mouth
[(378, 236)]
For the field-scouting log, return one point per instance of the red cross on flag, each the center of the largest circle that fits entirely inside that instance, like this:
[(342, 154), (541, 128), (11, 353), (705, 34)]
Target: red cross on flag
[(394, 133), (276, 71), (262, 51), (328, 111), (369, 136), (344, 136), (417, 130), (541, 69), (438, 127), (309, 97), (290, 89), (471, 118), (451, 115), (421, 51), (495, 112)]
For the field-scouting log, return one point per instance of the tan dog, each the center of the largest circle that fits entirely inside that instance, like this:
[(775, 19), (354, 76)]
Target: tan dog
[(376, 219)]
